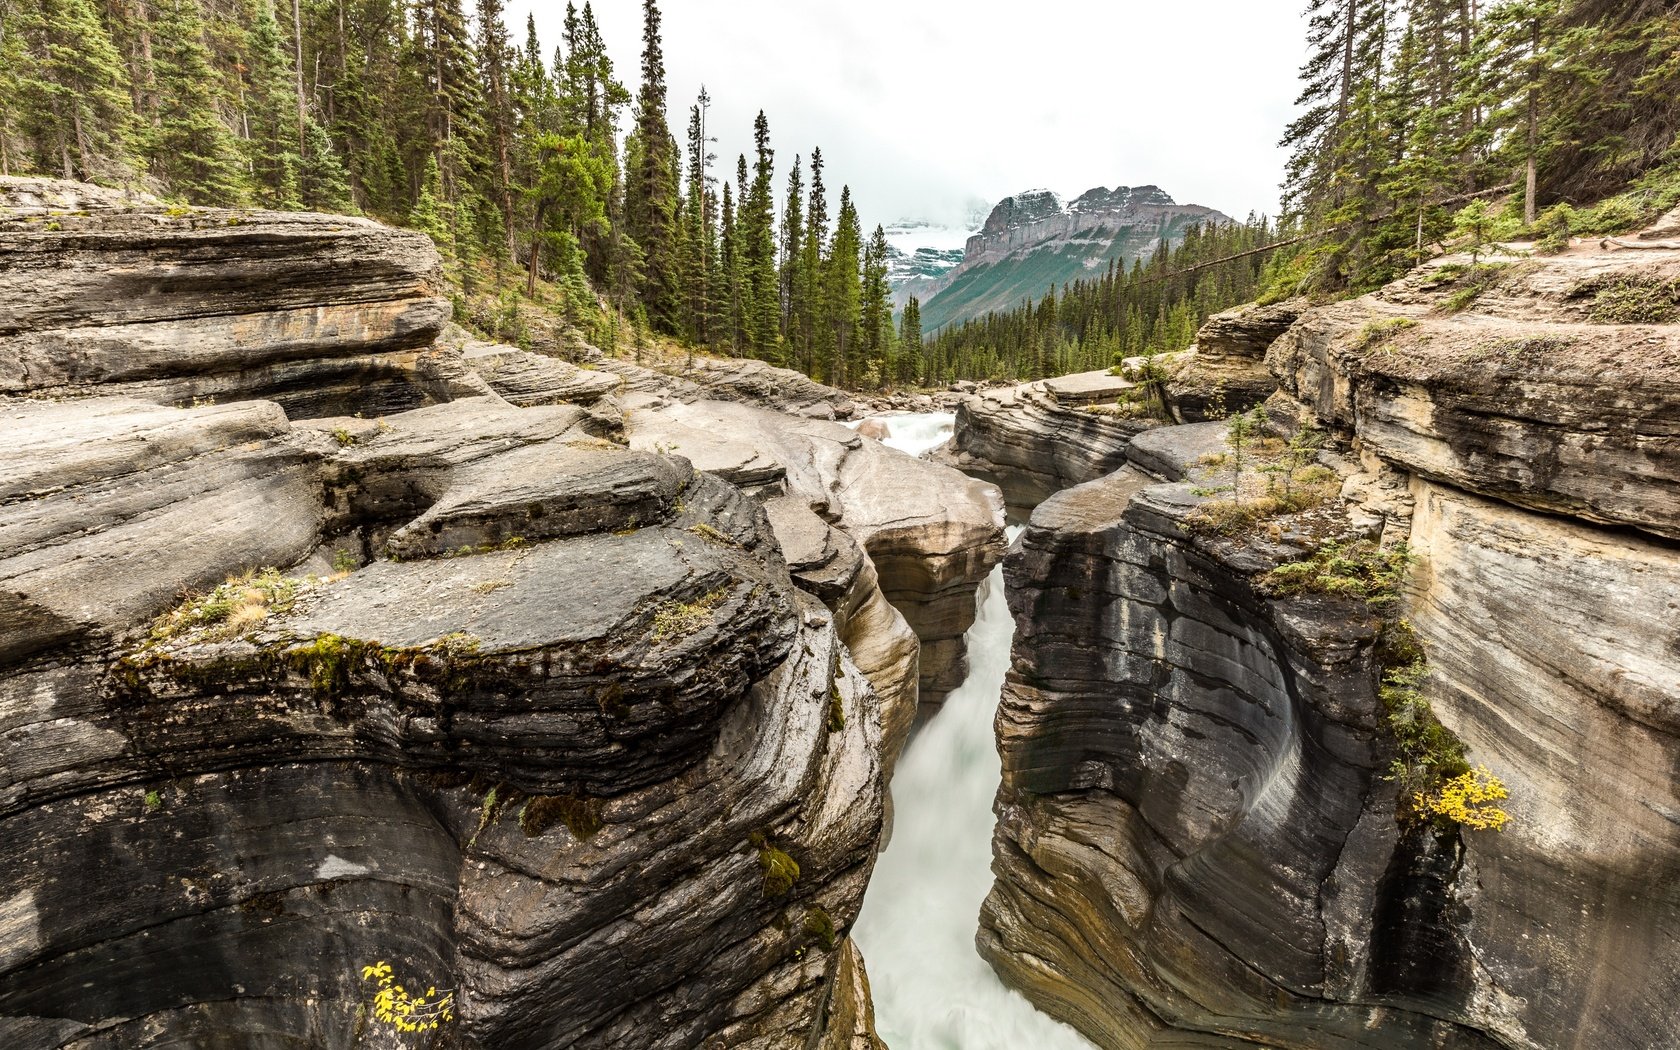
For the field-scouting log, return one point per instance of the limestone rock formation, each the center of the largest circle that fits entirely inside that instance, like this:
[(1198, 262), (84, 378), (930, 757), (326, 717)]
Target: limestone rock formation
[(931, 533), (311, 311), (1198, 842), (1225, 371), (538, 720), (1036, 439)]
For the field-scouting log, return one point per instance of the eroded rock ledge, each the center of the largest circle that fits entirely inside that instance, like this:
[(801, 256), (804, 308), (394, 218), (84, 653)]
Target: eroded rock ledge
[(540, 719), (1196, 845)]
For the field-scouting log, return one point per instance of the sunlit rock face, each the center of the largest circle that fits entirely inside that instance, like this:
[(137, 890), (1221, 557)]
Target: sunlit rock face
[(1036, 439), (178, 304), (1197, 842), (543, 722), (931, 533)]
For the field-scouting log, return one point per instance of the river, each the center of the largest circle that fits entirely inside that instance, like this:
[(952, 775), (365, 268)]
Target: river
[(932, 990)]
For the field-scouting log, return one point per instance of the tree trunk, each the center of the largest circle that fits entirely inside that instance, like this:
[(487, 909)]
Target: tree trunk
[(1533, 122), (536, 251), (297, 41)]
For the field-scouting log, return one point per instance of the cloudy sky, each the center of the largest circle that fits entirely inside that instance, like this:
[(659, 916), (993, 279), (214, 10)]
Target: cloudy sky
[(929, 108)]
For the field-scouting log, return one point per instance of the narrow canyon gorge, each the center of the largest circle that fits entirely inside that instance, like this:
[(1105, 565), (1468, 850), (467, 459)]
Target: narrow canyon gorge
[(618, 706)]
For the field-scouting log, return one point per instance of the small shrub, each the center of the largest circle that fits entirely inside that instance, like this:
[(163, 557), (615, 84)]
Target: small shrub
[(1377, 333), (673, 619), (395, 1006), (780, 870), (1636, 300), (1469, 799), (1360, 569), (153, 800), (820, 925), (231, 609), (344, 438), (343, 562), (1553, 227), (707, 532), (836, 709)]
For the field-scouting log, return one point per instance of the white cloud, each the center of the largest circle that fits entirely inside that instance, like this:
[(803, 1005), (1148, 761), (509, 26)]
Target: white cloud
[(926, 107)]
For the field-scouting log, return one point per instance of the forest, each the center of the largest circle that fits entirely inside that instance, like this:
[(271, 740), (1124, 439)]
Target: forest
[(544, 180)]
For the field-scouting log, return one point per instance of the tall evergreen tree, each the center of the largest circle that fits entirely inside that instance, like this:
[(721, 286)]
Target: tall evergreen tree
[(875, 333), (842, 293), (792, 261), (190, 147), (71, 89), (911, 366), (650, 201), (815, 248), (757, 222), (275, 156)]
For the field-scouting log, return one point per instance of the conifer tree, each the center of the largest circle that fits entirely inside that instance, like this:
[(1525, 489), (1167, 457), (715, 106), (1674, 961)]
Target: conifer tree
[(651, 191), (815, 248), (841, 293), (732, 279), (910, 342), (190, 147), (875, 334), (756, 219), (495, 60), (70, 88), (271, 109), (793, 251)]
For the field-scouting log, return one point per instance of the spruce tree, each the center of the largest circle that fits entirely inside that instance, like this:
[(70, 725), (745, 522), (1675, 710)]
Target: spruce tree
[(793, 251), (757, 222), (875, 334), (71, 90), (271, 109), (815, 248), (495, 61), (912, 359), (650, 197), (841, 294), (190, 148)]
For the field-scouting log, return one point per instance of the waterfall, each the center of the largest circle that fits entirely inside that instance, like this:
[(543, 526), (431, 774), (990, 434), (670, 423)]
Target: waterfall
[(932, 990)]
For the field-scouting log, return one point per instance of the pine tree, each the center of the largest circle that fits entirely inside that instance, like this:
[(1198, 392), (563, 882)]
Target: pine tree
[(452, 104), (732, 279), (650, 202), (913, 363), (275, 158), (71, 90), (495, 62), (793, 252), (189, 147), (875, 334), (841, 293), (812, 338), (757, 222)]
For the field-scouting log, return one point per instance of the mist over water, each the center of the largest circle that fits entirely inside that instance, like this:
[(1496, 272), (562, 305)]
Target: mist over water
[(932, 990)]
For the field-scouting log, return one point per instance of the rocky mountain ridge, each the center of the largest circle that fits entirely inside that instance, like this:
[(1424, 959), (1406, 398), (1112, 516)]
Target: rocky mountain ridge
[(1034, 239)]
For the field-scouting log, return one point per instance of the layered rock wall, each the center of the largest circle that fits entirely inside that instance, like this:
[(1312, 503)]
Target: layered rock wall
[(1198, 843), (542, 722)]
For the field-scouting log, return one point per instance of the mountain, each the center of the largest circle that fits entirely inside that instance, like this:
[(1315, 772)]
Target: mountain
[(920, 252), (1034, 240)]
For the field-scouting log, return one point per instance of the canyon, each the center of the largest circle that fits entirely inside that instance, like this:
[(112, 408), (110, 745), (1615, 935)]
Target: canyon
[(346, 650), (1202, 835)]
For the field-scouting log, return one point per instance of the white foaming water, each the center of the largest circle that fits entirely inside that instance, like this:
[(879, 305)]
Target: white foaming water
[(915, 432), (932, 990)]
